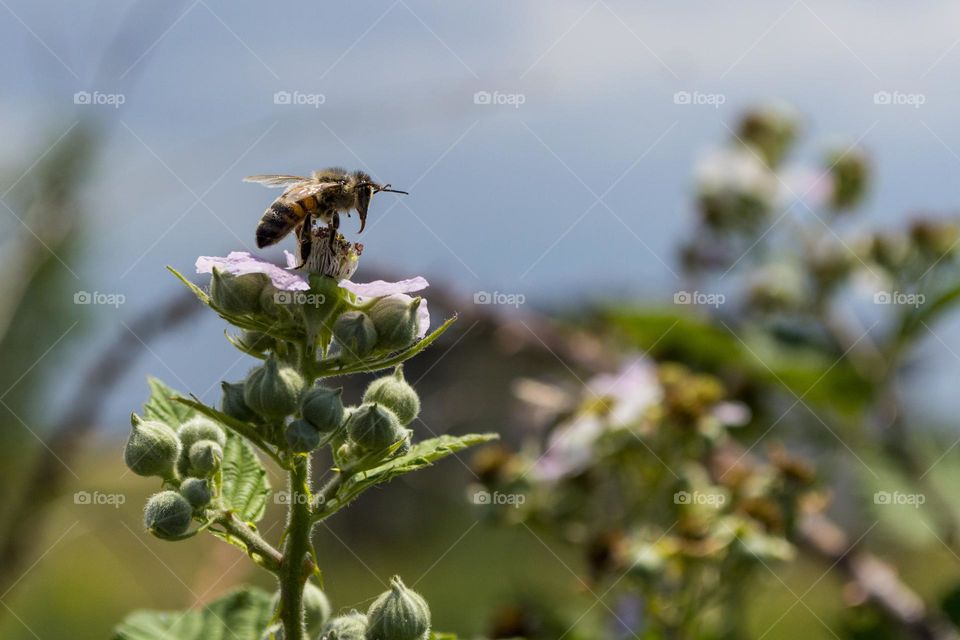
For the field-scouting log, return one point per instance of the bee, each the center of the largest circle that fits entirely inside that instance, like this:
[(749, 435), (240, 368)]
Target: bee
[(321, 197)]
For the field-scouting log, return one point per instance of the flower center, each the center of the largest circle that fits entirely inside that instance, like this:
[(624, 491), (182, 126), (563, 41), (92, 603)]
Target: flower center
[(338, 259)]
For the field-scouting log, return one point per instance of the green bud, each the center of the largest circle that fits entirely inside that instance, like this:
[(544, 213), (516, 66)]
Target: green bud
[(395, 320), (771, 130), (316, 608), (196, 491), (394, 393), (167, 514), (201, 428), (152, 448), (323, 408), (355, 333), (302, 437), (374, 427), (352, 626), (398, 614), (850, 169), (205, 457), (237, 294), (273, 390), (193, 431), (233, 404), (256, 341)]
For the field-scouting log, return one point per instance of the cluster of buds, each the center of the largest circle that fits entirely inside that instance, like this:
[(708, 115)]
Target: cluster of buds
[(187, 457)]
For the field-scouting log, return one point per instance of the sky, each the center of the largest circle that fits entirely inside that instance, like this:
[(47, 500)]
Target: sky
[(544, 143)]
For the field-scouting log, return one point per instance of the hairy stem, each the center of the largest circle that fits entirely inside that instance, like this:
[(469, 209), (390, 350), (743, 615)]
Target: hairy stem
[(295, 549), (271, 559)]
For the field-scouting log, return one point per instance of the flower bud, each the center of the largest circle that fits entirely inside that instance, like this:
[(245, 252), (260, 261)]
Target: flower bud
[(316, 608), (355, 334), (352, 626), (398, 614), (771, 130), (395, 394), (374, 427), (196, 491), (323, 408), (256, 341), (237, 294), (167, 514), (193, 431), (273, 390), (395, 319), (152, 448), (233, 404), (201, 428), (302, 437), (850, 170), (205, 457)]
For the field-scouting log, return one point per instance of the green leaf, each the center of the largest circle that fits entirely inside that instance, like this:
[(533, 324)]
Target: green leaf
[(422, 454), (240, 615), (438, 635), (162, 405), (245, 484)]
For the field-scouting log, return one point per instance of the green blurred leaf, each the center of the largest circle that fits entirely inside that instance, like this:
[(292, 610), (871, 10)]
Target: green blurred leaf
[(162, 405), (240, 615), (245, 484)]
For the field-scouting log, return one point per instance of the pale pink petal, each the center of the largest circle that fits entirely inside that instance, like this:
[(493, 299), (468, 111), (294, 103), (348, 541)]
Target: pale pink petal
[(239, 263), (380, 288)]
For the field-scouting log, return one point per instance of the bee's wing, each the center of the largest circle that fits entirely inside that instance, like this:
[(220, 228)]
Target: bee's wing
[(298, 192), (271, 180)]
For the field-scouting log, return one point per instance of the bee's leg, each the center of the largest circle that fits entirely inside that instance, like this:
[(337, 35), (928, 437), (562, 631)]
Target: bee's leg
[(334, 226), (305, 237)]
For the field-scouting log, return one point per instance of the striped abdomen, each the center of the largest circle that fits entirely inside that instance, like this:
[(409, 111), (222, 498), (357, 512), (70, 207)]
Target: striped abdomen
[(282, 217)]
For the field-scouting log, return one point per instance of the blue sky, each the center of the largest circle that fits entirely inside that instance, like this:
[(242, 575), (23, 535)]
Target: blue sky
[(584, 187)]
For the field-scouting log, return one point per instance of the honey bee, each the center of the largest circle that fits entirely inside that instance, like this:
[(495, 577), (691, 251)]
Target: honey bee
[(321, 197)]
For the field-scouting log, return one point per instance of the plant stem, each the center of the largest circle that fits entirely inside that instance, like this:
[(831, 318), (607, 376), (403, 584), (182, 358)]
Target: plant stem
[(255, 544), (295, 549)]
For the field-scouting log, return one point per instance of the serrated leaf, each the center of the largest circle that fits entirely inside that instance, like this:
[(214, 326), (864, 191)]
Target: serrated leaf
[(240, 615), (245, 484), (162, 405), (421, 455)]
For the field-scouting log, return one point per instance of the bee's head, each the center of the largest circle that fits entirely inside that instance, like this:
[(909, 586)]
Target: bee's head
[(365, 187)]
